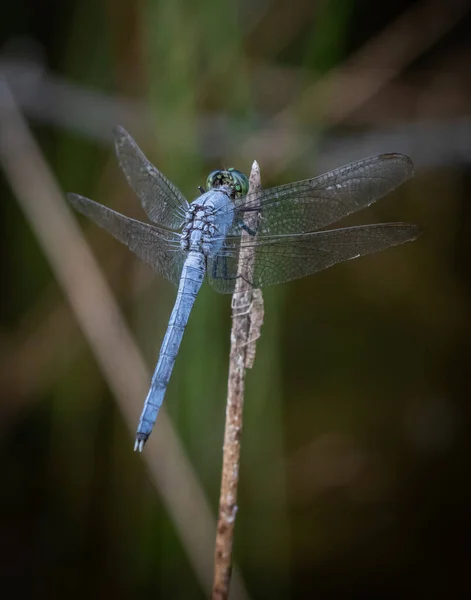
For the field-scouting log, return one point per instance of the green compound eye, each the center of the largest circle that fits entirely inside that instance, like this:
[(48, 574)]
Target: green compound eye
[(241, 183), (212, 179), (231, 177)]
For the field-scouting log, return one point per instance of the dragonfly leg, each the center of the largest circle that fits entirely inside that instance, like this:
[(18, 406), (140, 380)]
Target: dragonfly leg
[(248, 230), (216, 262), (216, 274)]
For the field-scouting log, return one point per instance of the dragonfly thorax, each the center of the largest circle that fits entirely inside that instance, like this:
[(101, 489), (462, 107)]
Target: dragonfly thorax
[(206, 222)]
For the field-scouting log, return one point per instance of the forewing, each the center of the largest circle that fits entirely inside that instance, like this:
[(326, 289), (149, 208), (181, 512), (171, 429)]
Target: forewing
[(282, 258), (308, 205), (157, 247), (162, 201)]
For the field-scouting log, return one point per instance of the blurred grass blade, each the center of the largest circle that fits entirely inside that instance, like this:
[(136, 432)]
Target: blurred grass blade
[(111, 342)]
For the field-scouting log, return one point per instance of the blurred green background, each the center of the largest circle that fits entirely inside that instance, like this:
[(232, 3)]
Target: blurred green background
[(356, 449)]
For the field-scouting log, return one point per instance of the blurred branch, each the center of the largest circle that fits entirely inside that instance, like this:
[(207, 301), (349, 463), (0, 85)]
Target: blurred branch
[(247, 318), (106, 331), (53, 99), (432, 142)]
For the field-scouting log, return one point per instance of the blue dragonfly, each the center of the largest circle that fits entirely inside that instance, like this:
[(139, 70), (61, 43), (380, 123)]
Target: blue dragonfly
[(211, 237)]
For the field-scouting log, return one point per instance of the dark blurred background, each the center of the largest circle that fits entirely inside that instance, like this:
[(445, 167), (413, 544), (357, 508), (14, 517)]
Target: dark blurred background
[(356, 453)]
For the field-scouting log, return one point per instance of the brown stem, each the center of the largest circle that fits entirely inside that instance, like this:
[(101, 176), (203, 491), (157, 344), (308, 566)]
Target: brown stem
[(247, 318)]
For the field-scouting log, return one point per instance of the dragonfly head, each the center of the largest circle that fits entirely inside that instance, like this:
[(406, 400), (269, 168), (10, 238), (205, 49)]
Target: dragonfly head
[(236, 180)]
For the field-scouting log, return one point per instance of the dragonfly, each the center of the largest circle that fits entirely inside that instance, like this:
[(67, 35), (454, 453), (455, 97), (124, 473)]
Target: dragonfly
[(211, 236)]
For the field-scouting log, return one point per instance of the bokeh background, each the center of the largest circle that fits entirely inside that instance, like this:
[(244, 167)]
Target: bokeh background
[(356, 454)]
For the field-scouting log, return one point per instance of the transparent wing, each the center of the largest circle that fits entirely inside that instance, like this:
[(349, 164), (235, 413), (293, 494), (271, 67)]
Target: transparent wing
[(157, 247), (282, 258), (311, 204), (162, 201)]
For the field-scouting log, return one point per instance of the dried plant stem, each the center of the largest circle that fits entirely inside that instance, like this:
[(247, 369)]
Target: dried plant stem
[(247, 318)]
